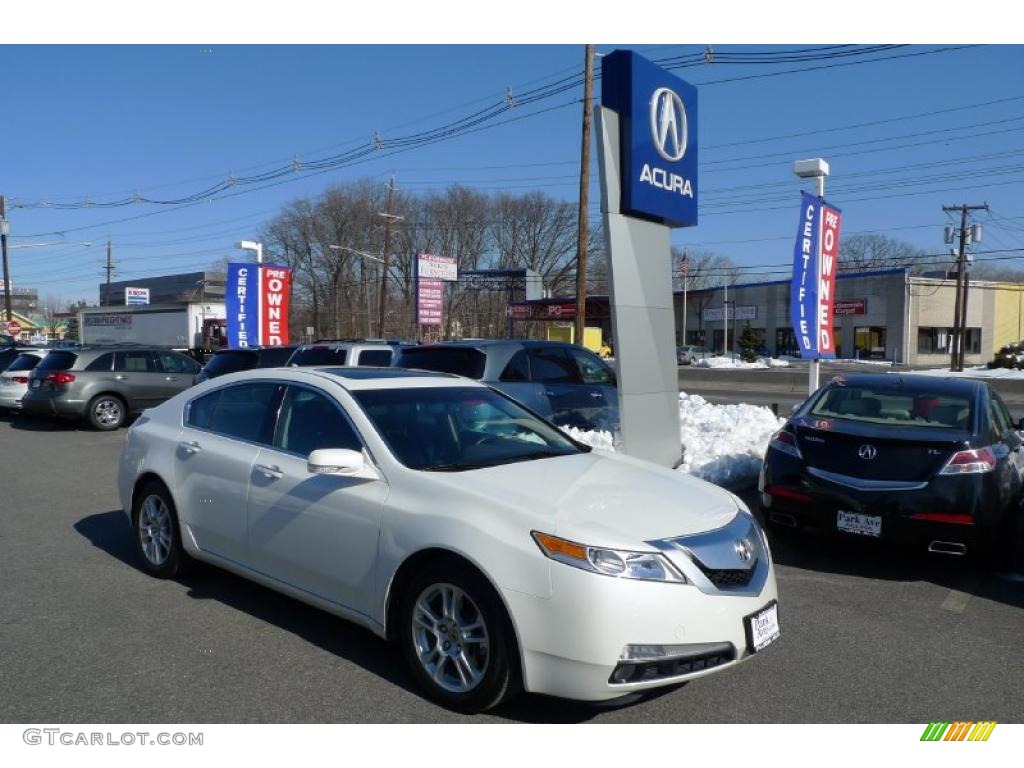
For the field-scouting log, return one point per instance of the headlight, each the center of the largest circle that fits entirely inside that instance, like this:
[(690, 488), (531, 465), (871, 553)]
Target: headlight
[(646, 566)]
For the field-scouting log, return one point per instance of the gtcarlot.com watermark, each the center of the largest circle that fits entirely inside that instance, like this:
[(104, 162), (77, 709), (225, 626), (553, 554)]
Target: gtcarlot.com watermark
[(58, 736)]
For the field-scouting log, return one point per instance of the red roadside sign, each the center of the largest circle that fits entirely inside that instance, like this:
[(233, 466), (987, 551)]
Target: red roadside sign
[(14, 328)]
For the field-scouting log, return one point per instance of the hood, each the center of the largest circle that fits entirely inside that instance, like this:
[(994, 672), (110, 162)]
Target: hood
[(601, 499)]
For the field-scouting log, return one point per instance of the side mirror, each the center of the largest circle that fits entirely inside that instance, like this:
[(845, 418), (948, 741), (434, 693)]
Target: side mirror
[(795, 407), (340, 461), (1020, 425)]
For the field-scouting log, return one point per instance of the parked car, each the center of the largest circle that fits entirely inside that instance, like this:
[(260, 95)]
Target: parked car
[(244, 359), (564, 383), (933, 462), (8, 353), (422, 507), (690, 353), (367, 353), (105, 385), (14, 379)]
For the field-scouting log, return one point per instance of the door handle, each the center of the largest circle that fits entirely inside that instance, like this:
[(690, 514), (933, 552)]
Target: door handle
[(170, 378), (190, 447), (272, 472), (120, 377), (596, 395), (549, 393)]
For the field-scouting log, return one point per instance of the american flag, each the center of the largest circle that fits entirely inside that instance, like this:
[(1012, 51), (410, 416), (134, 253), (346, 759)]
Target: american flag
[(684, 265)]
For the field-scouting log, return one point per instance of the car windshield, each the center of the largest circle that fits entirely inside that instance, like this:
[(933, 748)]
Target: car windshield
[(895, 405), (319, 356), (229, 362), (450, 429)]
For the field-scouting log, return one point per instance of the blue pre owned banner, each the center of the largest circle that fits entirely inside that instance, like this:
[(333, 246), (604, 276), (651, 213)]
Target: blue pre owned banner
[(803, 298), (657, 137), (242, 300)]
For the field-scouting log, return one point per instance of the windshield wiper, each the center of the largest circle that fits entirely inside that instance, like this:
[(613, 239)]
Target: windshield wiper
[(538, 455), (456, 467)]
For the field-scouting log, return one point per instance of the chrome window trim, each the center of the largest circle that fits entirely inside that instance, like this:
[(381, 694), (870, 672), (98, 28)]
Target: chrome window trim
[(862, 484)]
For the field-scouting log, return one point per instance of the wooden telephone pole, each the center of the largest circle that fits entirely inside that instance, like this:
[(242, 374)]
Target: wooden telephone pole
[(388, 218), (582, 236), (958, 338), (3, 248)]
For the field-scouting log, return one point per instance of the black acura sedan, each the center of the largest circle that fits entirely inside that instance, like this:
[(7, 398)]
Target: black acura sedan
[(934, 462)]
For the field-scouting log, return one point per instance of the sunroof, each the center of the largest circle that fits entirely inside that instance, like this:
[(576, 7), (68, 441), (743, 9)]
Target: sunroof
[(379, 373)]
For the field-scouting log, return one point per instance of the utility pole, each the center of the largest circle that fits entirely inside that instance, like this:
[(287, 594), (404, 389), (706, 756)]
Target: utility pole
[(388, 218), (582, 236), (4, 226), (957, 339), (109, 268)]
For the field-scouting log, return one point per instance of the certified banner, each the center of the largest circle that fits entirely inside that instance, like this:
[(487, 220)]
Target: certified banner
[(257, 298), (803, 294), (812, 295)]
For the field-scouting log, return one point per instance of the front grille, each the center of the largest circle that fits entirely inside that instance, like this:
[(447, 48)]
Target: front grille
[(646, 671), (724, 578)]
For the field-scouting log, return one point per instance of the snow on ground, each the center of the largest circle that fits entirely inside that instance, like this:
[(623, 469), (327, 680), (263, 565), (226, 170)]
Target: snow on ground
[(728, 362), (723, 444), (980, 372)]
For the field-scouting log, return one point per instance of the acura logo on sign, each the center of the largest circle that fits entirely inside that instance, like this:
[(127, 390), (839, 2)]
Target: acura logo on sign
[(668, 124), (867, 451)]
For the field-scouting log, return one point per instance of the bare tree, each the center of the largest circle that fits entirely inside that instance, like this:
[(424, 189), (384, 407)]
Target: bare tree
[(862, 252), (50, 307)]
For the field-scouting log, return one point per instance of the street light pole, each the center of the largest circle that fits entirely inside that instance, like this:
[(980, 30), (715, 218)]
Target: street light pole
[(4, 228), (251, 245), (362, 275), (816, 169)]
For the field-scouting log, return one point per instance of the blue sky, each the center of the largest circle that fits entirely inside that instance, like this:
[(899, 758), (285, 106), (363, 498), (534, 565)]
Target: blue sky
[(101, 122)]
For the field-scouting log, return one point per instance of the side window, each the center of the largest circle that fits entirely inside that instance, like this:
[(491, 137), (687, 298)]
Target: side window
[(592, 369), (243, 409), (553, 366), (1006, 411), (518, 368), (309, 421), (172, 362), (200, 410), (1000, 421), (101, 363), (134, 362), (376, 357)]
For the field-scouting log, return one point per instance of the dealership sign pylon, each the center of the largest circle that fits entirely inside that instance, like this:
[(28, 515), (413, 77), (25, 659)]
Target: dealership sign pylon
[(257, 298), (647, 135), (812, 289)]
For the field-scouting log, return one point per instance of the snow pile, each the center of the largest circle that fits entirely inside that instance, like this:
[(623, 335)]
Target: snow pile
[(980, 372), (723, 444), (728, 362)]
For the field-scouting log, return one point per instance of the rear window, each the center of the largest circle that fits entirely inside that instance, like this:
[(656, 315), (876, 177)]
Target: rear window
[(377, 357), (320, 356), (895, 405), (57, 361), (24, 363), (229, 362), (461, 361), (275, 356)]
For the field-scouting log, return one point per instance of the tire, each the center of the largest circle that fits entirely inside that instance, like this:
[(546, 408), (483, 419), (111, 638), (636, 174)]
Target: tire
[(484, 648), (107, 412), (157, 534)]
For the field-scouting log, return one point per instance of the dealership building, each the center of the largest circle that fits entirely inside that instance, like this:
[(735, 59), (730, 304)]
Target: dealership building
[(881, 315)]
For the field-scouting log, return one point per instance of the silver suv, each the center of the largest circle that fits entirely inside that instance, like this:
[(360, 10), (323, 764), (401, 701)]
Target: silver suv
[(104, 385), (347, 353)]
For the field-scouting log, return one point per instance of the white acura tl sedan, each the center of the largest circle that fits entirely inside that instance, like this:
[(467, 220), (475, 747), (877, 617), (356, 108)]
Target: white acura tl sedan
[(498, 553)]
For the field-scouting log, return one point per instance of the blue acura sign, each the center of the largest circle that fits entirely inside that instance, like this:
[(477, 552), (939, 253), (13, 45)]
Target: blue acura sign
[(658, 138)]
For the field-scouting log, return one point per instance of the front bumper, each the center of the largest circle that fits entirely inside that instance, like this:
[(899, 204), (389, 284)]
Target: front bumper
[(572, 642)]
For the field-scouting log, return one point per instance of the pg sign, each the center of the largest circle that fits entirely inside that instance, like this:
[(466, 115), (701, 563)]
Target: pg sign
[(657, 138), (257, 297)]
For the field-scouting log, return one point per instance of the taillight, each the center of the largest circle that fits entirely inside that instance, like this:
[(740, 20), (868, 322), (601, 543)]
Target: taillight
[(787, 493), (785, 441), (944, 517), (60, 378), (970, 462), (19, 379)]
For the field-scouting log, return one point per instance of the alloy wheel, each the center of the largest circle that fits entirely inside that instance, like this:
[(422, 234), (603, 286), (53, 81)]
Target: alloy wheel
[(155, 529), (450, 638), (107, 412)]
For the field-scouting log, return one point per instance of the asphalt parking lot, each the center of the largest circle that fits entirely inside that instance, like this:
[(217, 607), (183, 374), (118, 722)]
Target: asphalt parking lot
[(869, 634)]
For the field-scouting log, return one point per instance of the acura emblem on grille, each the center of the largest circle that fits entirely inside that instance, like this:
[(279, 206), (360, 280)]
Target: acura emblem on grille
[(867, 451), (743, 550)]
